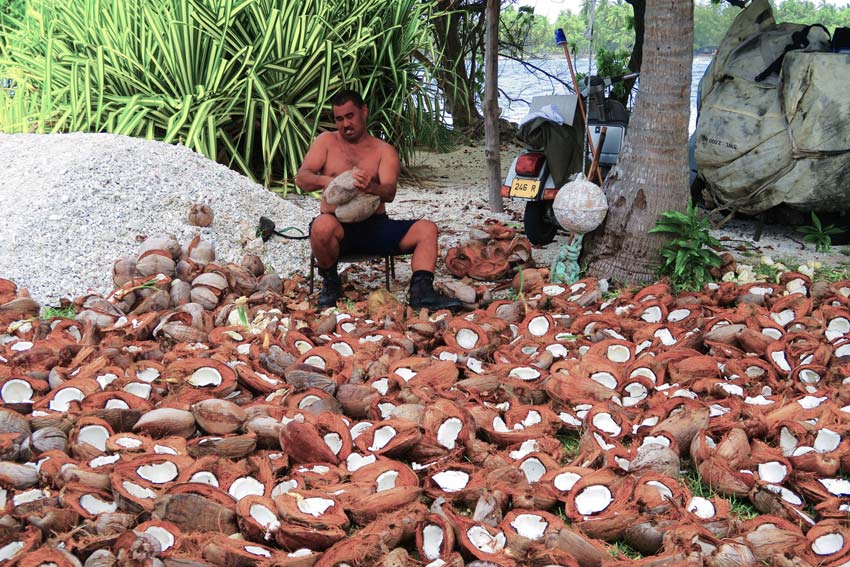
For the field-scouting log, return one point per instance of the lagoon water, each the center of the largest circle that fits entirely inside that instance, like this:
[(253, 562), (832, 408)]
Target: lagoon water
[(519, 83)]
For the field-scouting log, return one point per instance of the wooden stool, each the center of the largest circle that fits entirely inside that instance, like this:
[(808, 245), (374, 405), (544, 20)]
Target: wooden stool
[(389, 266)]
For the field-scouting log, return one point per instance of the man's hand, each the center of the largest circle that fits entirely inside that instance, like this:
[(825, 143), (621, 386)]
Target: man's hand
[(362, 180)]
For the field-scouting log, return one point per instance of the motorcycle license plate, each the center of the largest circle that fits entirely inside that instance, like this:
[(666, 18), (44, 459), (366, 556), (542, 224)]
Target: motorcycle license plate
[(524, 188)]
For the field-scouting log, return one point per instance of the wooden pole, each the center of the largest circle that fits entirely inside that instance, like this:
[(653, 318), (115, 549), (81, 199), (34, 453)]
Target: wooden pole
[(581, 105), (491, 108)]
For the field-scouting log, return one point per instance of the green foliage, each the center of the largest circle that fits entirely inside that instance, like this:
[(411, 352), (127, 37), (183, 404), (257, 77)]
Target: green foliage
[(819, 235), (245, 83), (612, 63), (687, 256), (692, 479), (64, 312)]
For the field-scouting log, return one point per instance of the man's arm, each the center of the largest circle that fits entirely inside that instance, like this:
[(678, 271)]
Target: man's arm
[(309, 176), (388, 172)]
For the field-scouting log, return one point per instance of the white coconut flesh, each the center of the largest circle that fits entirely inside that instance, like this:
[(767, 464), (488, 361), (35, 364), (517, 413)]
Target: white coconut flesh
[(642, 371), (785, 494), (665, 336), (773, 472), (163, 536), (343, 348), (432, 541), (116, 403), (836, 486), (359, 428), (759, 400), (533, 469), (593, 499), (314, 506), (303, 347), (811, 402), (264, 517), (475, 365), (158, 473), (802, 451), (9, 550), (828, 544), (732, 389), (386, 480), (467, 338), (538, 326), (843, 350), (450, 356), (28, 496), (701, 508), (532, 418), (257, 550), (618, 353), (205, 376), (826, 441), (569, 419), (796, 285), (652, 314), (138, 389), (524, 373), (104, 461), (604, 422), (530, 526), (779, 358), (774, 334), (356, 461), (381, 438), (558, 351), (316, 469), (94, 505), (602, 442), (308, 400), (137, 491), (451, 481), (382, 385), (783, 317), (16, 391), (147, 375), (303, 552), (527, 447), (63, 398), (605, 378), (204, 477), (678, 315), (405, 373), (21, 346), (809, 376), (553, 290), (485, 541), (635, 393), (448, 431), (334, 442), (164, 450), (348, 327), (316, 361), (246, 486), (284, 487), (94, 435), (663, 490), (566, 480)]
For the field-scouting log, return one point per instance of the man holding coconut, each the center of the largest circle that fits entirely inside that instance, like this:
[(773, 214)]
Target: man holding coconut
[(357, 174)]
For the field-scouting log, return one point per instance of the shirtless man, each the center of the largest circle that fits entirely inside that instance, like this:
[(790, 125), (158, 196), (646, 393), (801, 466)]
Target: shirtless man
[(333, 153)]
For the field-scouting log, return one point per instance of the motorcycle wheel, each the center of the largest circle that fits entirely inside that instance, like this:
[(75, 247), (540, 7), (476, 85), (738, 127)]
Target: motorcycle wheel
[(540, 224)]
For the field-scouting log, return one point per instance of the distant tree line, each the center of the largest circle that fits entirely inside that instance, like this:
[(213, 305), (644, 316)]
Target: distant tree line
[(614, 27)]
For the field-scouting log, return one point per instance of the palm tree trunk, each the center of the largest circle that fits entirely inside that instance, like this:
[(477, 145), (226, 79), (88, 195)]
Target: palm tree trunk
[(652, 174)]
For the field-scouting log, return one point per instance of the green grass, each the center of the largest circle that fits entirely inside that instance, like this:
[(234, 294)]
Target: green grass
[(833, 273), (570, 442), (64, 312), (769, 272), (740, 508), (622, 549)]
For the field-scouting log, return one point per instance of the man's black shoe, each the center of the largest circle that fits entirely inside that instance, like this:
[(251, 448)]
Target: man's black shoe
[(423, 295), (331, 287)]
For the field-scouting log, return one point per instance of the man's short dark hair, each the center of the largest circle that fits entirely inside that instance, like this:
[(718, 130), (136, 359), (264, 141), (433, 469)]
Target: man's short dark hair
[(347, 95)]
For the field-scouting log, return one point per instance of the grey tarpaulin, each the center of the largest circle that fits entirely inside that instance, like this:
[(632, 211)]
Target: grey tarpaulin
[(785, 139), (561, 143)]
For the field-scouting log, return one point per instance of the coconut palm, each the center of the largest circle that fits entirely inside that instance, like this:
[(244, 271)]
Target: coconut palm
[(652, 174)]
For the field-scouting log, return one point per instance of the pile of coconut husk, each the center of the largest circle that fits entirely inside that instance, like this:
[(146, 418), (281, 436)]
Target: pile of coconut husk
[(204, 415)]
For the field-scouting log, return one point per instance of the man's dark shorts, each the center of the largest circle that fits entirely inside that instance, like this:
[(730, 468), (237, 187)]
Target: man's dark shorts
[(379, 235)]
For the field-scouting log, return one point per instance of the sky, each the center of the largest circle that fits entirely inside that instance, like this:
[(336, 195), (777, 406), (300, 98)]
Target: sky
[(551, 8)]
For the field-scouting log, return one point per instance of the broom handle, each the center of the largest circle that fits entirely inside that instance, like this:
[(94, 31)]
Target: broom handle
[(594, 165), (580, 102)]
